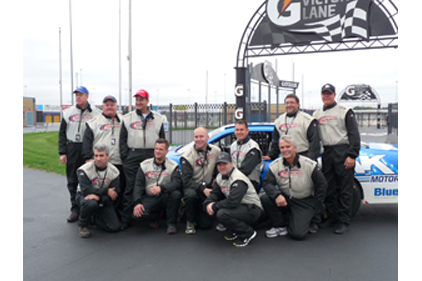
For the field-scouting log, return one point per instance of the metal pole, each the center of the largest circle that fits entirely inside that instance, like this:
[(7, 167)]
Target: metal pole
[(269, 102), (170, 127), (120, 58), (71, 52), (206, 91), (130, 55), (60, 72), (259, 101)]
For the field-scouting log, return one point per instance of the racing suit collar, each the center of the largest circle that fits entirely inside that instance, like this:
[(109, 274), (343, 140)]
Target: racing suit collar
[(163, 167), (149, 114), (330, 106), (292, 114), (295, 162), (244, 141), (108, 117), (88, 106), (226, 177), (100, 169), (198, 150)]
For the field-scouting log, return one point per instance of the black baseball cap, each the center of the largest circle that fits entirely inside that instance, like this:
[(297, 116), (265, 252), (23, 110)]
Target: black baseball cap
[(224, 157), (328, 87)]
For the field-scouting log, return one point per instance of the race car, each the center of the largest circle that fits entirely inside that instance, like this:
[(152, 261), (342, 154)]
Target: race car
[(376, 170)]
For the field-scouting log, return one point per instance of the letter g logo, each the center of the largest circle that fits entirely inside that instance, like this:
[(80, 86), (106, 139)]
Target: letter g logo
[(275, 11)]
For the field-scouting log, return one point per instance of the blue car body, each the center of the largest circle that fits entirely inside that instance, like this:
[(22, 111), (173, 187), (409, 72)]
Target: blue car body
[(376, 170)]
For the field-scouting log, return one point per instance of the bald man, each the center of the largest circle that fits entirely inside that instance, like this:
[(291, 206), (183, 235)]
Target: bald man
[(198, 170)]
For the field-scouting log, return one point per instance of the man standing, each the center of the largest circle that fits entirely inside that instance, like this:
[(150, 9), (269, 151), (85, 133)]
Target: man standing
[(300, 125), (234, 202), (140, 129), (157, 188), (105, 128), (198, 170), (98, 188), (246, 154), (71, 132), (340, 137), (301, 190)]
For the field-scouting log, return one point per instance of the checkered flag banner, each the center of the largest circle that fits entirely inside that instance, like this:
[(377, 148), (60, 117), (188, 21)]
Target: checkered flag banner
[(352, 23), (301, 21)]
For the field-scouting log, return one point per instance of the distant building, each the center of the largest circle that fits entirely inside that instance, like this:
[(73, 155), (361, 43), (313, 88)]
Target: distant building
[(29, 112)]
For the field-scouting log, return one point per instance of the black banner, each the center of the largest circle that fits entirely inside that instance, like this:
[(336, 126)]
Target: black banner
[(300, 21)]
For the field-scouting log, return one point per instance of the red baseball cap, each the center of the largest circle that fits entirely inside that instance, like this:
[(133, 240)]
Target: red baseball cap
[(142, 93)]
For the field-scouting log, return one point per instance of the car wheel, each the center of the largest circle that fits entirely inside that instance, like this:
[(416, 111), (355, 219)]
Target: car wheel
[(357, 197)]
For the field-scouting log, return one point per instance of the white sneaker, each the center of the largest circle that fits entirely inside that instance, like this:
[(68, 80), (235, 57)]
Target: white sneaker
[(276, 231), (190, 228)]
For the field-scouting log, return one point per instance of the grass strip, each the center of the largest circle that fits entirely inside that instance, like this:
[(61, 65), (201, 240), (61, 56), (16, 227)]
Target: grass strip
[(40, 152)]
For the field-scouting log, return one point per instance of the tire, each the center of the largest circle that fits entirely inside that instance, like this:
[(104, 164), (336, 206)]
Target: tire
[(357, 197)]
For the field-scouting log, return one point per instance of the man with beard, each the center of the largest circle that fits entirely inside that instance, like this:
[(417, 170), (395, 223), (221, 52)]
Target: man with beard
[(298, 124)]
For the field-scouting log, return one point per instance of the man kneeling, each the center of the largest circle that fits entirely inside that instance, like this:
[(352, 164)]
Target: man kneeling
[(97, 189), (300, 192), (234, 202), (157, 188)]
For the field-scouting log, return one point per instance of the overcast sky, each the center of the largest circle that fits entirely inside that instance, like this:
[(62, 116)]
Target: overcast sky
[(174, 45)]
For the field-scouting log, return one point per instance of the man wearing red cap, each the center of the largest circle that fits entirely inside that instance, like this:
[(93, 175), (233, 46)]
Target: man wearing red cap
[(140, 129)]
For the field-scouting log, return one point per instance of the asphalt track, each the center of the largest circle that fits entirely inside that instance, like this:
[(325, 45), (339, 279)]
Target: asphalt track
[(52, 249)]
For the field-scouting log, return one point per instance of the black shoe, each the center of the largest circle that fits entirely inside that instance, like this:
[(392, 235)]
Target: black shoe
[(84, 232), (244, 242), (231, 237), (124, 226), (328, 223), (154, 224), (313, 228), (341, 228), (73, 217)]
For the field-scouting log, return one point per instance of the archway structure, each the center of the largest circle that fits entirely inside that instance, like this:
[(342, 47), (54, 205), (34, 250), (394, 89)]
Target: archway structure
[(287, 27)]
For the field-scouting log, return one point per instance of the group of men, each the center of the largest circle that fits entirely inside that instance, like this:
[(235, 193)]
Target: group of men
[(117, 166)]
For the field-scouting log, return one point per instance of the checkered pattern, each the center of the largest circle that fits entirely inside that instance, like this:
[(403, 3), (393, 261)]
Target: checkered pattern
[(353, 23)]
